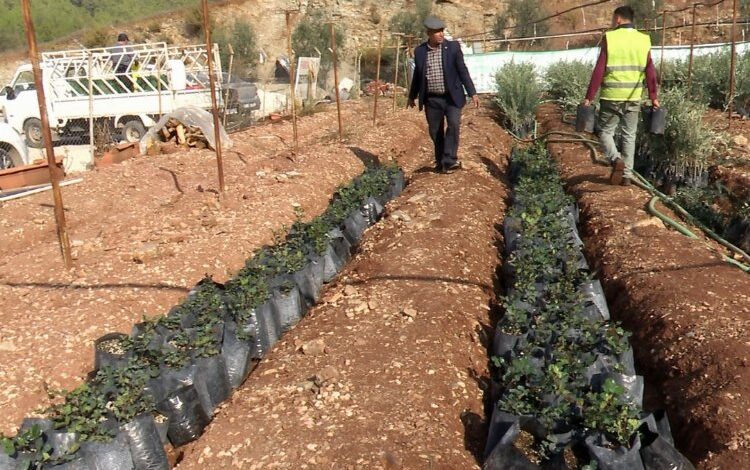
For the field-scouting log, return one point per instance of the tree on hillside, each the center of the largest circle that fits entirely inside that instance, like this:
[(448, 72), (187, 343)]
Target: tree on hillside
[(244, 43), (313, 33), (522, 16), (410, 22)]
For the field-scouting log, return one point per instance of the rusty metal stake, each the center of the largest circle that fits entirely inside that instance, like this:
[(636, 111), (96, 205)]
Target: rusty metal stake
[(692, 48), (733, 64), (292, 76), (377, 79), (663, 40), (214, 107), (336, 80), (54, 173), (395, 73)]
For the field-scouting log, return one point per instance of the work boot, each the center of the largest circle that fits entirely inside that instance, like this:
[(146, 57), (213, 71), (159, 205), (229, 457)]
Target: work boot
[(453, 167), (438, 168), (618, 170)]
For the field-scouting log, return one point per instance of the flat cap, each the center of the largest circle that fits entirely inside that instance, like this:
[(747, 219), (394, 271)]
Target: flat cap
[(433, 23)]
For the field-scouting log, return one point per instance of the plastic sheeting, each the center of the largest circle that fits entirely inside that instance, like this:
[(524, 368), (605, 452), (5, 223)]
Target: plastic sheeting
[(188, 116), (482, 67)]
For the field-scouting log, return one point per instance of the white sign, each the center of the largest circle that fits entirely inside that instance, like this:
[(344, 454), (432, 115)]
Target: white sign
[(307, 73)]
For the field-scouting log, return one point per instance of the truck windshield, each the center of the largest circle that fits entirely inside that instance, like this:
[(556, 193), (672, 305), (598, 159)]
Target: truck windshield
[(24, 81)]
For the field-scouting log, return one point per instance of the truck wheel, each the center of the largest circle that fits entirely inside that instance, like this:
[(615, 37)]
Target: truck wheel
[(133, 131), (32, 129), (9, 158)]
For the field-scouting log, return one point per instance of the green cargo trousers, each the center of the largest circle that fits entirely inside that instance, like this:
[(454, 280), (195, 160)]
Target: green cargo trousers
[(622, 114)]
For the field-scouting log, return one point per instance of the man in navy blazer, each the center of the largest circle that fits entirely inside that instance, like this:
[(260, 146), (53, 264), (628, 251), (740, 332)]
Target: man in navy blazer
[(440, 77)]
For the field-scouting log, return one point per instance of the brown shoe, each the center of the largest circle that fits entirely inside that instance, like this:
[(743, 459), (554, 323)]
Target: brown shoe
[(626, 181), (618, 169)]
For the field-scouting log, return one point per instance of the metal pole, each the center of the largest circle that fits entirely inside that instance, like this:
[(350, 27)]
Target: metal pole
[(292, 76), (395, 73), (336, 80), (377, 79), (692, 47), (54, 174), (229, 78), (663, 40), (91, 108), (158, 80), (733, 64), (214, 107)]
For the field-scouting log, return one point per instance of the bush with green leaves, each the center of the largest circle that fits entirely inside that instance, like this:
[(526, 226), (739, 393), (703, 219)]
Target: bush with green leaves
[(313, 34), (567, 82), (518, 93), (683, 152), (710, 78), (241, 36), (545, 374), (410, 23), (523, 14)]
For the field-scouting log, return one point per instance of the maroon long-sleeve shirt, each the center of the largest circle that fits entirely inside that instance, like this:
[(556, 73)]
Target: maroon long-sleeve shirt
[(601, 67)]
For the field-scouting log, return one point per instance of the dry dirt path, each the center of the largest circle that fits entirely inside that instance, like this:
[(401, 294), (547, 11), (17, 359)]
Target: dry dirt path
[(147, 230), (405, 330), (688, 311)]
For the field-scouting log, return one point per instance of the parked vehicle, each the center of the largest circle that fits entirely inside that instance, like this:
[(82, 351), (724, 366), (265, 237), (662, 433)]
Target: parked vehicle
[(13, 150), (126, 98)]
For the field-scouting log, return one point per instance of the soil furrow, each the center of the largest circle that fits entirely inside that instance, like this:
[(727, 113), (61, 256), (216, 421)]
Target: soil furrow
[(400, 380), (688, 310)]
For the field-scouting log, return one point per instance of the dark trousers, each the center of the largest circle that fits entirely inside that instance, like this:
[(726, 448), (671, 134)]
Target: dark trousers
[(439, 111)]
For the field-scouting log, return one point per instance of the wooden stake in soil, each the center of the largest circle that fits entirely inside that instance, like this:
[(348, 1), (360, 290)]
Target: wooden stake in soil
[(663, 40), (54, 174), (692, 48), (336, 80), (214, 107), (377, 79), (733, 64), (292, 76), (395, 73)]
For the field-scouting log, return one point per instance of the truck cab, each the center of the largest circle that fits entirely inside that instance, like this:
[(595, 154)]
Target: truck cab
[(20, 106)]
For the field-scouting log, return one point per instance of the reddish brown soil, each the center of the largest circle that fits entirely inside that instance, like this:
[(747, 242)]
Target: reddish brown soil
[(688, 310), (145, 231), (405, 331)]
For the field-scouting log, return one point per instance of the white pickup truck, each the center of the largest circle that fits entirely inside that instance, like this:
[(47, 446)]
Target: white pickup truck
[(13, 150), (123, 88)]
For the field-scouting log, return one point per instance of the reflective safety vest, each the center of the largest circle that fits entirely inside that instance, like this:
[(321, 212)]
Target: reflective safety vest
[(627, 56)]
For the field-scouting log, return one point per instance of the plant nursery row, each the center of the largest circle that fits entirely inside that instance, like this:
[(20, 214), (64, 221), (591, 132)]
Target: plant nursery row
[(162, 383), (566, 393)]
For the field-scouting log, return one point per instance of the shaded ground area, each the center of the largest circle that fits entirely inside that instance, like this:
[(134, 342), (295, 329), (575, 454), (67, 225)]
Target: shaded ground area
[(389, 371), (688, 311), (147, 230)]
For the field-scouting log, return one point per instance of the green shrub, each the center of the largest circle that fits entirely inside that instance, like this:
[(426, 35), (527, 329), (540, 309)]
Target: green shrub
[(523, 15), (410, 23), (687, 144), (313, 33), (98, 37), (519, 92), (567, 82), (241, 36)]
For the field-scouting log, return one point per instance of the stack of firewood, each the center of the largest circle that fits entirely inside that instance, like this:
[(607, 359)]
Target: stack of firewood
[(182, 135)]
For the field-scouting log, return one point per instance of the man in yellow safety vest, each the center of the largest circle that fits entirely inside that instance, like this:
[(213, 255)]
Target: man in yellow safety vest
[(624, 64)]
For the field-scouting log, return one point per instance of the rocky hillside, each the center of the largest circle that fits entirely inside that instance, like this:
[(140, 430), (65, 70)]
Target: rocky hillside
[(362, 19)]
